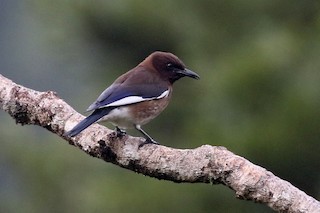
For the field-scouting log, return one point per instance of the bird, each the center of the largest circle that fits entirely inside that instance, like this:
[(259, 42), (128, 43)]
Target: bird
[(138, 96)]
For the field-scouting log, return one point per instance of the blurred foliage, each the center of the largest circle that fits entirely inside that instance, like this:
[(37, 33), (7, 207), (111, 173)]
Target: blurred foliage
[(259, 96)]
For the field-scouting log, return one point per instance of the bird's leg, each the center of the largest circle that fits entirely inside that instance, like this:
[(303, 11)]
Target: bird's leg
[(148, 138), (119, 132)]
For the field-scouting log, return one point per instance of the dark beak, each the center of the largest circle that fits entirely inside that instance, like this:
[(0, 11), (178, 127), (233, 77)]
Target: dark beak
[(189, 73)]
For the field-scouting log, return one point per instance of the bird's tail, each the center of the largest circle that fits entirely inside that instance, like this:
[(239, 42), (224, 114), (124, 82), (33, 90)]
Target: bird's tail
[(96, 115)]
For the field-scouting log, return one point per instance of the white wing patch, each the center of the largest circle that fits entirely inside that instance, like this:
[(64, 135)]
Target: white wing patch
[(135, 99)]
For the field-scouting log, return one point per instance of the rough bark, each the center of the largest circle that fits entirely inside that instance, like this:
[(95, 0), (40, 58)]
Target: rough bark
[(206, 164)]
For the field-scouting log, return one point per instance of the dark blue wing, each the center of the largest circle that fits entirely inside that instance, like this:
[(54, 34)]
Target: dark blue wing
[(120, 94)]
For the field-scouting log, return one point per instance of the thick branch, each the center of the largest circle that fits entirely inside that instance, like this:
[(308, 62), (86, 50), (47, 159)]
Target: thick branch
[(206, 164)]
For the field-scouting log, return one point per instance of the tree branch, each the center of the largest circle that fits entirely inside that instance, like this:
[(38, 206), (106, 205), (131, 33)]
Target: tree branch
[(206, 164)]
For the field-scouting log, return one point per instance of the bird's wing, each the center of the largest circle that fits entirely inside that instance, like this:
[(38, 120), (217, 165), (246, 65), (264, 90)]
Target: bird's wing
[(124, 93)]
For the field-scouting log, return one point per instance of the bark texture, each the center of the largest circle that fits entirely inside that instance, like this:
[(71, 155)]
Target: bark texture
[(206, 164)]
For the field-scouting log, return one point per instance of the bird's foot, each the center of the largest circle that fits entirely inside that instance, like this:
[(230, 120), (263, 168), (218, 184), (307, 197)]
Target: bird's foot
[(119, 132), (148, 141)]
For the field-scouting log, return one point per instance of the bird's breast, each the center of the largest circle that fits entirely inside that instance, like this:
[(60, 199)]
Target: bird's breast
[(145, 111)]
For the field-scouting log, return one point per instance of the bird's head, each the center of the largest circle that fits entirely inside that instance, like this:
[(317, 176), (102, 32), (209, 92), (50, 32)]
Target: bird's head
[(170, 66)]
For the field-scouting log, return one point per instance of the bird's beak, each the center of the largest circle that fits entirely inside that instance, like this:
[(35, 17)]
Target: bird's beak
[(189, 73)]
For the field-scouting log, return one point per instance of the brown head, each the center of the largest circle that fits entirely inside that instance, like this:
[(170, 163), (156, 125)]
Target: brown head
[(169, 66)]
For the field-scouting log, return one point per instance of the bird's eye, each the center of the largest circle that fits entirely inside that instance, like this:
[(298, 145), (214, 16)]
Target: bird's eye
[(173, 67), (170, 66)]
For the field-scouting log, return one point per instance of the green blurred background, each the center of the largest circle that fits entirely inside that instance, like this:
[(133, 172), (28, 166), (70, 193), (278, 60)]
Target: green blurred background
[(259, 96)]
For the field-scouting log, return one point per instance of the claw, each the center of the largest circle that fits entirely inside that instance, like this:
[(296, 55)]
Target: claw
[(148, 141), (119, 132)]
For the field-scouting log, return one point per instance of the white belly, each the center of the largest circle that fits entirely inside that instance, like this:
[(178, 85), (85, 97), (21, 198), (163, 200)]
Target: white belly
[(119, 117)]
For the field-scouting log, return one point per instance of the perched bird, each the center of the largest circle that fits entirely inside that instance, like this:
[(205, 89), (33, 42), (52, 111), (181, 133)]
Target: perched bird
[(138, 96)]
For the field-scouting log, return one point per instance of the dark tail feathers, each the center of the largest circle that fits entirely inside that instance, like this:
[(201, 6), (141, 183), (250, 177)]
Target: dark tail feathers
[(96, 115)]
